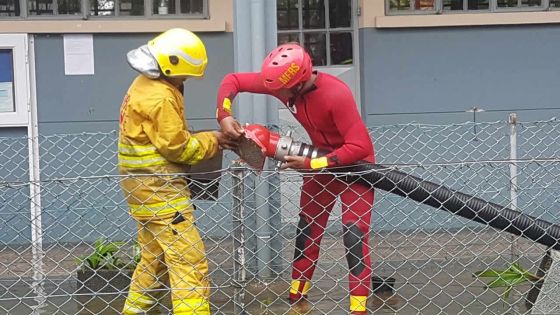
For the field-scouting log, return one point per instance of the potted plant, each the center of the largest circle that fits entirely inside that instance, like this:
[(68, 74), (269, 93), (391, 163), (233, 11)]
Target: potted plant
[(103, 270)]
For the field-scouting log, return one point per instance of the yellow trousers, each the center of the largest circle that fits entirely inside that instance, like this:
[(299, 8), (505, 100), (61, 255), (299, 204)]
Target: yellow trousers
[(176, 243)]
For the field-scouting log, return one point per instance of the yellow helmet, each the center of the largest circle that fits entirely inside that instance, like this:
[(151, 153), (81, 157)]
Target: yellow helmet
[(179, 53)]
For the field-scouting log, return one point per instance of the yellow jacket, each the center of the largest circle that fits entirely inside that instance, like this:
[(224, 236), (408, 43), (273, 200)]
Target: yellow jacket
[(154, 139)]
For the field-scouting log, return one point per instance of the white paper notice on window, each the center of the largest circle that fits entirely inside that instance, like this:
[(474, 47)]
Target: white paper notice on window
[(6, 97), (78, 54)]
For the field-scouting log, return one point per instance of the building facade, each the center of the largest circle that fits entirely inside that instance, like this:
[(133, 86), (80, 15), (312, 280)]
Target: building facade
[(405, 60), (63, 68)]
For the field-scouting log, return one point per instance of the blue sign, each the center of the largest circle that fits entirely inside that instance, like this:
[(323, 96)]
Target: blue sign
[(6, 81), (6, 65)]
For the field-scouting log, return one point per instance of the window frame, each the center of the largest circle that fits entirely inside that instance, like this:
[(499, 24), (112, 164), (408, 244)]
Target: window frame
[(85, 10), (466, 9), (20, 116), (493, 8), (300, 31), (438, 7)]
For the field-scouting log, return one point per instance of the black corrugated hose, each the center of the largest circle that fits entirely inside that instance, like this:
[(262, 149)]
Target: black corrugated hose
[(461, 204)]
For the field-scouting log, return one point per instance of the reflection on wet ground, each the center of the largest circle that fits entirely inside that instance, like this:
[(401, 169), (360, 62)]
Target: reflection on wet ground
[(270, 298), (430, 279)]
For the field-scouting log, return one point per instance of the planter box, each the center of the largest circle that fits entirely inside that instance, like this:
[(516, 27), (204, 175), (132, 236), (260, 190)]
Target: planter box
[(103, 280), (91, 282)]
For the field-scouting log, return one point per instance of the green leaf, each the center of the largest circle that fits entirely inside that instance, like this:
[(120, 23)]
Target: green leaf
[(103, 255), (515, 274), (507, 282), (93, 261), (497, 275), (98, 244), (106, 250), (109, 248), (488, 273), (137, 253), (108, 261), (517, 266), (505, 296), (116, 262)]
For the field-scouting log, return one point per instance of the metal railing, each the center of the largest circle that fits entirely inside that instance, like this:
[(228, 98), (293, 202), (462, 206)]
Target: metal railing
[(249, 226)]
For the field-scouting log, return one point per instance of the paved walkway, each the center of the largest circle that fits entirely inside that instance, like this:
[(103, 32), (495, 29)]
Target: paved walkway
[(433, 276)]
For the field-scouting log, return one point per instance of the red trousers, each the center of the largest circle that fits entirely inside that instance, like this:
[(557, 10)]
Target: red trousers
[(318, 197)]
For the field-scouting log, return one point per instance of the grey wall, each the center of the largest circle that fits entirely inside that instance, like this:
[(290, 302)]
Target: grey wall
[(429, 75), (69, 104), (434, 74), (14, 196), (68, 108)]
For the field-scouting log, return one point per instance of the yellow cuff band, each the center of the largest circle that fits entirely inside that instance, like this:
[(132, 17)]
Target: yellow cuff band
[(199, 306), (319, 162), (137, 303), (226, 104), (296, 285), (358, 303)]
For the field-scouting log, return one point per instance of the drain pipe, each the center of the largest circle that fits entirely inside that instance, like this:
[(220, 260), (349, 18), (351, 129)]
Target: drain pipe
[(263, 230), (513, 189), (254, 35), (400, 183), (239, 250), (35, 187)]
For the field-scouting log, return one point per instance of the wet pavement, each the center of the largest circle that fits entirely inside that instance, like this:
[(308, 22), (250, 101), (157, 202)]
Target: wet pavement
[(428, 298), (430, 279)]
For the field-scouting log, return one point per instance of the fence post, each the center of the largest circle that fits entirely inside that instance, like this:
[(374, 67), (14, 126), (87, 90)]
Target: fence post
[(35, 189), (513, 188), (263, 231), (238, 222)]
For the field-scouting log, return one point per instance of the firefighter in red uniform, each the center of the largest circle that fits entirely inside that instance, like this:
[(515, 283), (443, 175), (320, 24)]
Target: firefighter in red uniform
[(325, 107)]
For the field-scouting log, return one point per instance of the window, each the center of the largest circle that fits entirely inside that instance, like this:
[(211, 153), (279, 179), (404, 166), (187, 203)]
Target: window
[(13, 84), (54, 7), (463, 5), (163, 7), (7, 101), (9, 8), (94, 8), (453, 6), (323, 27), (412, 5), (519, 3), (116, 8)]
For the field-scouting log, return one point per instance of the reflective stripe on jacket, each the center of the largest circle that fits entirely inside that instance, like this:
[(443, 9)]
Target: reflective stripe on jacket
[(154, 139)]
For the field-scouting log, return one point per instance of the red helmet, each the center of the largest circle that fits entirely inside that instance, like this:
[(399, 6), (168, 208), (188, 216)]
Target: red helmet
[(286, 66)]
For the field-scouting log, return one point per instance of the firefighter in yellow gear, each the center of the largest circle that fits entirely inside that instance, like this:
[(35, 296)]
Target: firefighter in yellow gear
[(154, 147)]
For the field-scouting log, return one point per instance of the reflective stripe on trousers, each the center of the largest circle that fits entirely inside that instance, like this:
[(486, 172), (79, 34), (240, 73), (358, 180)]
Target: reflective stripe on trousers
[(160, 208)]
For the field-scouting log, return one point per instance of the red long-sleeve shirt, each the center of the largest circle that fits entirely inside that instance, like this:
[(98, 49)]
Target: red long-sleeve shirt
[(327, 112)]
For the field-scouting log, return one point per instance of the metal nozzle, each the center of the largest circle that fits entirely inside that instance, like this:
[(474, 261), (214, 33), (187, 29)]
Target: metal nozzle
[(282, 148), (259, 143)]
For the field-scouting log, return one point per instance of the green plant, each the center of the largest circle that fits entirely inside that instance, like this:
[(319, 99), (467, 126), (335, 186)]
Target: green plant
[(508, 278), (104, 256), (136, 254)]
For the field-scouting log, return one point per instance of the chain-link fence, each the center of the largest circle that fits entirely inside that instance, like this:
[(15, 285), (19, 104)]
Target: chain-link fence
[(252, 232)]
